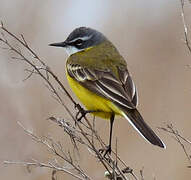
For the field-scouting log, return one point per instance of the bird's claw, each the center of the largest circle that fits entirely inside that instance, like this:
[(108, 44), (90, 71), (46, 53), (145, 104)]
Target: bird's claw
[(81, 112), (106, 151)]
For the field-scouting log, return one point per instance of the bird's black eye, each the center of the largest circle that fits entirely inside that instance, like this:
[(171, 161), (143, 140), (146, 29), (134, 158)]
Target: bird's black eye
[(78, 42)]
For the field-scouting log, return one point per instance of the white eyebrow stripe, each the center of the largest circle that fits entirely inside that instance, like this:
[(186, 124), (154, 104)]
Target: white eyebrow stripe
[(82, 38)]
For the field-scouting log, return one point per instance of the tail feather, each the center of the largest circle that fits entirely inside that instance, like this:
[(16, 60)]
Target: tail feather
[(136, 120)]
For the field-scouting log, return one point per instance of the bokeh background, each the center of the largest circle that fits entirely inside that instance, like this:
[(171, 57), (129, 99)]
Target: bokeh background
[(149, 34)]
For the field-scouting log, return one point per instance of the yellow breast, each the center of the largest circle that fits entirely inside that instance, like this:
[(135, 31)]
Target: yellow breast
[(92, 101)]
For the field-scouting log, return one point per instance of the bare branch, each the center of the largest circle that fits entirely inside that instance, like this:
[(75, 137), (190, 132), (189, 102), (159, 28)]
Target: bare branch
[(31, 72), (1, 24), (54, 174), (25, 43), (43, 165), (179, 138), (141, 173), (187, 42)]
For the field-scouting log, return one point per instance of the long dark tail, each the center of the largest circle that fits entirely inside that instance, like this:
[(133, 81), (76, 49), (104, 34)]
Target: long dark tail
[(136, 120)]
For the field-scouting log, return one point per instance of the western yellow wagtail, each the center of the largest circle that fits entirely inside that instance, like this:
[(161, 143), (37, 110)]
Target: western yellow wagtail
[(98, 75)]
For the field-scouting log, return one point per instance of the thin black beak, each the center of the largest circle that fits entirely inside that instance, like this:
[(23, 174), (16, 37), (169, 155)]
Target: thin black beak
[(60, 44)]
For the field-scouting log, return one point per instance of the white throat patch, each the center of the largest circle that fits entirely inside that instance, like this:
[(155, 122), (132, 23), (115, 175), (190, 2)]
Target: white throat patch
[(72, 50)]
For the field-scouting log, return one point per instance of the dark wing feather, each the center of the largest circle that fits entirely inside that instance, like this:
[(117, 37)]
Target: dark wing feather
[(128, 85), (121, 91)]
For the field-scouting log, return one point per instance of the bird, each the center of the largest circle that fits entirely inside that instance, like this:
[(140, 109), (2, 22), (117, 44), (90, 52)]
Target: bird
[(98, 76)]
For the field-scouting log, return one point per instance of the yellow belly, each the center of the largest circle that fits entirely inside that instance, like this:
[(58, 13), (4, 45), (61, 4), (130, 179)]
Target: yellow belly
[(92, 101)]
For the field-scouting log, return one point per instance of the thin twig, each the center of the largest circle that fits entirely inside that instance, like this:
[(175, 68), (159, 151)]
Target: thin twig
[(179, 138), (187, 42), (43, 165)]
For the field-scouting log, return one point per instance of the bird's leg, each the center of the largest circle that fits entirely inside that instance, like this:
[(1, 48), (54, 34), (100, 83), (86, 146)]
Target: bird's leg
[(108, 148), (82, 112)]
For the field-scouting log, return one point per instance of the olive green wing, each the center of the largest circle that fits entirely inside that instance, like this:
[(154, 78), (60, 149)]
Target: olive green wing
[(120, 88)]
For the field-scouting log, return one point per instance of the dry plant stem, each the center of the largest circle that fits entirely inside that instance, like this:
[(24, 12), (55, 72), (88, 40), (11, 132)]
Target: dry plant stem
[(170, 129), (93, 148), (44, 71), (141, 173), (37, 70), (39, 164), (46, 68), (24, 43), (52, 146), (187, 42), (54, 174), (104, 161), (98, 155), (179, 138)]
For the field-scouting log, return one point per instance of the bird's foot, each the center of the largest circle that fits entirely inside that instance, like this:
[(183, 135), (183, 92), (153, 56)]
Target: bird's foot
[(106, 151), (81, 112)]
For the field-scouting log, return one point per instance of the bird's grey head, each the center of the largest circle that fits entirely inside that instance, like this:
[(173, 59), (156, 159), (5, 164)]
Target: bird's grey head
[(80, 39)]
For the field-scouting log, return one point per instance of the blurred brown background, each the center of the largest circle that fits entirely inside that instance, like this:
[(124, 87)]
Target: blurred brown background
[(149, 34)]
